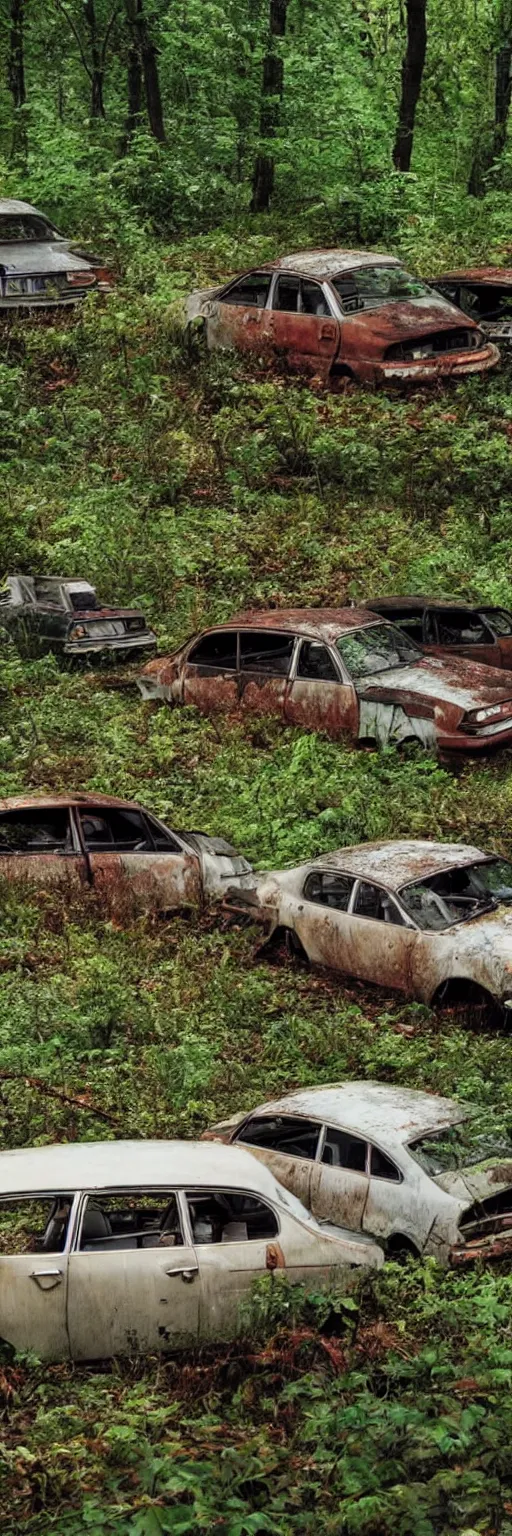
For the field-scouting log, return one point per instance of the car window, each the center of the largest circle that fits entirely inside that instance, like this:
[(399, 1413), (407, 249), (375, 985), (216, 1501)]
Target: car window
[(373, 902), (140, 1219), (24, 226), (499, 620), (312, 298), (222, 1216), (34, 1224), (343, 1150), (82, 598), (456, 627), (48, 592), (410, 620), (162, 838), (286, 294), (316, 663), (458, 894), (251, 290), (217, 651), (378, 648), (329, 890), (263, 650), (381, 1166), (289, 1134), (114, 830), (367, 287), (34, 831)]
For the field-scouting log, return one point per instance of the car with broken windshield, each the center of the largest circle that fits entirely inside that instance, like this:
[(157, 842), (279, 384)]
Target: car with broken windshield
[(343, 671), (123, 1248), (433, 920), (485, 295), (64, 616), (39, 267), (116, 850), (480, 631), (422, 1174), (341, 314)]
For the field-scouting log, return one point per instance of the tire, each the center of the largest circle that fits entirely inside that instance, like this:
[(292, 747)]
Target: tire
[(469, 1006), (401, 1248)]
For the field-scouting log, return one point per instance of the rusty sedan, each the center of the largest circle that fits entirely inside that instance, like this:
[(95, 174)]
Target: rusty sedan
[(420, 1173), (340, 315), (447, 628), (123, 1248), (118, 850), (433, 920), (338, 670)]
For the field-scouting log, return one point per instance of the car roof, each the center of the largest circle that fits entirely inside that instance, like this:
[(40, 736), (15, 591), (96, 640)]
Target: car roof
[(13, 205), (381, 604), (397, 863), (476, 275), (378, 1110), (77, 581), (317, 623), (327, 262), (74, 797), (98, 1164)]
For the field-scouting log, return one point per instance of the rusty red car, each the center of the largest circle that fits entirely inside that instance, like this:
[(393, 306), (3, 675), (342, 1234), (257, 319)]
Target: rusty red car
[(443, 627), (340, 315), (115, 848), (340, 670)]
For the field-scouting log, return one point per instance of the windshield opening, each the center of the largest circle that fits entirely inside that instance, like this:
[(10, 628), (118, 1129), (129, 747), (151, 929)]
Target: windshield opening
[(369, 286), (459, 1146), (24, 226), (378, 648), (455, 895)]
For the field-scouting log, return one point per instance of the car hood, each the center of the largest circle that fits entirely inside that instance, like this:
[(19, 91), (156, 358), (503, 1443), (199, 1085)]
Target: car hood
[(409, 317), (478, 1182), (220, 862), (454, 680), (41, 257)]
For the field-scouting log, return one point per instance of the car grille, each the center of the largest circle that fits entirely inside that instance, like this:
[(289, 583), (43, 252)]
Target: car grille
[(435, 344), (490, 1215)]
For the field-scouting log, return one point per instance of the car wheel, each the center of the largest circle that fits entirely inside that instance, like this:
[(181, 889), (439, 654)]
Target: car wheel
[(469, 1006), (294, 948), (401, 1248)]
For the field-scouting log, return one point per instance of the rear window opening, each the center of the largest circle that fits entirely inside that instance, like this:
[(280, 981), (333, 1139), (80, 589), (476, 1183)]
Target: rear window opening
[(436, 344)]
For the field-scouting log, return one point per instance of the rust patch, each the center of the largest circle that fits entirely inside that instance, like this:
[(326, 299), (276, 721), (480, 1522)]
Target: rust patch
[(274, 1257)]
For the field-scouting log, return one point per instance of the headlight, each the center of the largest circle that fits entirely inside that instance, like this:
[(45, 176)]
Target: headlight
[(80, 279), (486, 714)]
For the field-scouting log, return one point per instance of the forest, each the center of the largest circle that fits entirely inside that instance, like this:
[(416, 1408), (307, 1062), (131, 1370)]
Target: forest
[(184, 143)]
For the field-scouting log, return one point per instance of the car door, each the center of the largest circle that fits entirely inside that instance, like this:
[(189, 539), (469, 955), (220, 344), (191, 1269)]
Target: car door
[(339, 1183), (265, 664), (288, 1145), (41, 846), (319, 915), (500, 621), (209, 677), (34, 1273), (133, 868), (133, 1281), (453, 631), (318, 697), (399, 1199), (300, 324), (234, 318), (382, 947)]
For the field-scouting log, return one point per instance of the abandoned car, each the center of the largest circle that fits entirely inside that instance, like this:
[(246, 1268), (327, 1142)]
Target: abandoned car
[(51, 613), (433, 920), (337, 670), (118, 850), (444, 628), (420, 1173), (341, 315), (118, 1248), (40, 268), (485, 294)]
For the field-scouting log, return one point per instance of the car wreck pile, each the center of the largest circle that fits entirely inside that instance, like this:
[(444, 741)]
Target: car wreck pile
[(329, 1178)]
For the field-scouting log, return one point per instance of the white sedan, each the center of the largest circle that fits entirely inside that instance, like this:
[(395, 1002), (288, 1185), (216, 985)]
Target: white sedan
[(119, 1248), (420, 1173)]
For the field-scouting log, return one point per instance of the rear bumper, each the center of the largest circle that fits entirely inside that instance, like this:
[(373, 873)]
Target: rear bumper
[(494, 1246), (454, 365)]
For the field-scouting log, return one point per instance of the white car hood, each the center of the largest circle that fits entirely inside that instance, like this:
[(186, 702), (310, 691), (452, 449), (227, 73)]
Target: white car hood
[(456, 681), (478, 1182), (40, 257)]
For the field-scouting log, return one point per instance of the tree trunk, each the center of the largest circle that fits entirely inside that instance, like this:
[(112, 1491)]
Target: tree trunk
[(487, 154), (147, 53), (271, 98), (134, 93), (412, 75), (97, 67), (15, 62)]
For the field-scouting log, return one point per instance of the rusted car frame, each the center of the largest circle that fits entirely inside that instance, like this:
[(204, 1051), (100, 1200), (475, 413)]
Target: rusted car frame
[(338, 314), (314, 668), (125, 855), (483, 293), (442, 627), (431, 920), (422, 1174)]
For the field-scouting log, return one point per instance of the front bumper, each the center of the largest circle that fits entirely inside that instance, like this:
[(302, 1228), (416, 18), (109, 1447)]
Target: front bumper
[(118, 645), (453, 365), (494, 735), (492, 1246)]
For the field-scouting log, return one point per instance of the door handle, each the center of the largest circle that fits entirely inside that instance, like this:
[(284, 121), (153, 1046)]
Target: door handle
[(186, 1274), (54, 1276), (251, 319), (327, 332)]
